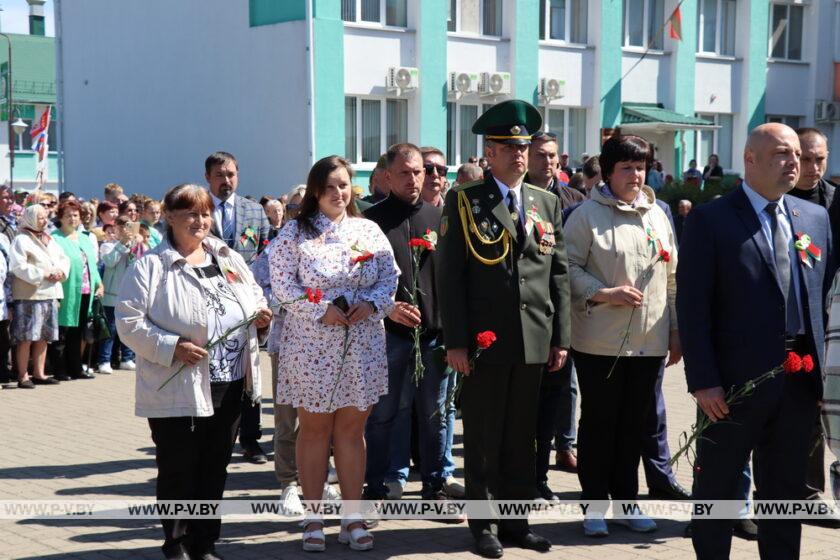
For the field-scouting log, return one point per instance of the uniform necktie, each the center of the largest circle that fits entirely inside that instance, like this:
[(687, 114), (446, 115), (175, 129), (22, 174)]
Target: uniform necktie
[(514, 215), (783, 269), (227, 225)]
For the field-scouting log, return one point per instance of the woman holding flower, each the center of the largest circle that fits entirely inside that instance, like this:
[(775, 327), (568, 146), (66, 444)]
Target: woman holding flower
[(332, 363), (622, 263), (177, 300)]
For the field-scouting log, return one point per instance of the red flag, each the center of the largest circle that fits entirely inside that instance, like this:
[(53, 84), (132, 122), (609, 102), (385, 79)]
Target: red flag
[(675, 22)]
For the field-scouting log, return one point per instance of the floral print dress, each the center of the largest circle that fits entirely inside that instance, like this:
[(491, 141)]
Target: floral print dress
[(310, 372)]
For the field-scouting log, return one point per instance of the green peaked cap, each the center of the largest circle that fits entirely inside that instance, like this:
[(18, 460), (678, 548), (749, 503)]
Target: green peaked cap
[(509, 122)]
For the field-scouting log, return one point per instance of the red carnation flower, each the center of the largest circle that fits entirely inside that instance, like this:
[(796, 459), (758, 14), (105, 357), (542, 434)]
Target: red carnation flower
[(793, 363), (364, 257), (664, 255), (265, 241), (807, 363), (417, 242), (485, 339), (314, 296)]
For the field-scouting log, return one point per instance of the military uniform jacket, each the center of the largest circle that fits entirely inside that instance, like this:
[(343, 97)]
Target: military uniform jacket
[(524, 298)]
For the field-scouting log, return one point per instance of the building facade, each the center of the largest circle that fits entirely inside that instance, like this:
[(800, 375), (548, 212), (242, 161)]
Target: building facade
[(281, 83)]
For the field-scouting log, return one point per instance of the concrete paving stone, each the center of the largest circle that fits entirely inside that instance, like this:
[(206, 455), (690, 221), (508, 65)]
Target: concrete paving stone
[(108, 454)]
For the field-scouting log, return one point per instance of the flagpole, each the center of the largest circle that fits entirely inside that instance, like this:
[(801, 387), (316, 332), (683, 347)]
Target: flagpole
[(650, 42)]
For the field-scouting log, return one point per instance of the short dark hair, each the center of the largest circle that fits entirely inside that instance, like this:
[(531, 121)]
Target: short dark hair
[(623, 148), (402, 149), (591, 167), (264, 200), (576, 181), (105, 206), (68, 206), (65, 195), (219, 158), (811, 131), (426, 150)]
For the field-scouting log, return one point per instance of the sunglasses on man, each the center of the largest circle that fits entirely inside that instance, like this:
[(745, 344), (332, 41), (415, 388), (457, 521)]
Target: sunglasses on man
[(441, 169)]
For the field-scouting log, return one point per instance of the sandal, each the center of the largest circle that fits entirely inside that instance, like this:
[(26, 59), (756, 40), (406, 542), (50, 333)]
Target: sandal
[(352, 537), (317, 535)]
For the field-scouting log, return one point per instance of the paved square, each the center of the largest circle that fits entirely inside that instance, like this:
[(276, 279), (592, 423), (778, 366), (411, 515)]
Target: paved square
[(81, 440)]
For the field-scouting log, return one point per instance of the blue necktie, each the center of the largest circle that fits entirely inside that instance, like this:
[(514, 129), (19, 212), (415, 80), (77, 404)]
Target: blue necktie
[(785, 271), (227, 225)]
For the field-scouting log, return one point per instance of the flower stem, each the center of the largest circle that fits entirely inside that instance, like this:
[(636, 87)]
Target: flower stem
[(623, 343), (210, 345)]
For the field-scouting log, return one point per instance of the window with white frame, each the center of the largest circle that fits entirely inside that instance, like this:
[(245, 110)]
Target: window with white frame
[(790, 120), (644, 23), (786, 31), (716, 26), (482, 17), (384, 12), (461, 143), (569, 124), (717, 141), (371, 125), (564, 20)]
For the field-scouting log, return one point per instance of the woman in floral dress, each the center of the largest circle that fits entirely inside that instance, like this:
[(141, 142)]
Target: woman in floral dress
[(332, 361)]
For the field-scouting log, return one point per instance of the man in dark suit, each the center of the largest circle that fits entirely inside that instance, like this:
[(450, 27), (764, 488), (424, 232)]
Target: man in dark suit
[(502, 248), (814, 188), (243, 226), (744, 299)]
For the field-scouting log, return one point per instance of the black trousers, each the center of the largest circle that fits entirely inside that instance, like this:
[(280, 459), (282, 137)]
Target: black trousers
[(71, 354), (6, 355), (499, 411), (815, 480), (774, 424), (192, 455), (250, 430), (612, 422), (553, 388)]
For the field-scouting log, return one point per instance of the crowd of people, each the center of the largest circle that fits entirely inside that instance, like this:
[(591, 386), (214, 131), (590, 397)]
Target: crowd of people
[(369, 307)]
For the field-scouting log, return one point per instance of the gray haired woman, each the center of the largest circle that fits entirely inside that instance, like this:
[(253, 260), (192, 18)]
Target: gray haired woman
[(38, 266)]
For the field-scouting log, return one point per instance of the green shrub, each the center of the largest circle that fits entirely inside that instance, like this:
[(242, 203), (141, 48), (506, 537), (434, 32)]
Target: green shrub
[(680, 190)]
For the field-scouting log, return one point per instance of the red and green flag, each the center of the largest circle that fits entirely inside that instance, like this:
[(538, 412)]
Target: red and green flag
[(675, 24)]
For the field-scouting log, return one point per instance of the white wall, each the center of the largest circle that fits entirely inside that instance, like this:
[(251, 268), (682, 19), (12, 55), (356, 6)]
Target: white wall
[(717, 85), (477, 54), (649, 81), (369, 52), (786, 89), (151, 88), (574, 65)]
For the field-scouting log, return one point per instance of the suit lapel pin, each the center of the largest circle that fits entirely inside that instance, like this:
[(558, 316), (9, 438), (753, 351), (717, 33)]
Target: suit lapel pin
[(795, 213), (491, 196)]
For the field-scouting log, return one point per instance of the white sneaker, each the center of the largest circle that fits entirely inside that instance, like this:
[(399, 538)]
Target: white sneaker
[(85, 368), (331, 493), (332, 475), (106, 369), (128, 365), (395, 490), (290, 501)]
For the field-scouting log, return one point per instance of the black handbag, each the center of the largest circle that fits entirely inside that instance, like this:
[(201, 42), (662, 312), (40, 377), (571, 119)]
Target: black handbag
[(96, 328)]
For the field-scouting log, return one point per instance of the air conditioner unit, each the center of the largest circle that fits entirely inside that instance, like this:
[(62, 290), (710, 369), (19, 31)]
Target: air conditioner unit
[(402, 78), (827, 111), (462, 82), (552, 88), (494, 83)]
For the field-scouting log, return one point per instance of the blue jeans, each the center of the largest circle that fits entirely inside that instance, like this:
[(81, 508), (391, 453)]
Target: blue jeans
[(388, 430), (105, 346), (401, 444), (448, 461), (565, 430)]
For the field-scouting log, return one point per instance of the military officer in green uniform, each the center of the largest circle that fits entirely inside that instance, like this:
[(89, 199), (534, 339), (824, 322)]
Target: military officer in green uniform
[(501, 247)]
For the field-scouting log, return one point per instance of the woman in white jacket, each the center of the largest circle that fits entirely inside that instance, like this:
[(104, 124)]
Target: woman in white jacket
[(38, 266), (190, 290)]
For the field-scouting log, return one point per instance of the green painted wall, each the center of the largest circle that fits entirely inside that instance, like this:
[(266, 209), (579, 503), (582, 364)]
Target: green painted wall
[(25, 166), (431, 59), (755, 65), (684, 59), (267, 12), (328, 60), (609, 63), (525, 49)]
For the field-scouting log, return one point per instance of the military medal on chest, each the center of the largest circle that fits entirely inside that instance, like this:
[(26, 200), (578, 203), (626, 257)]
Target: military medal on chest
[(545, 230)]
